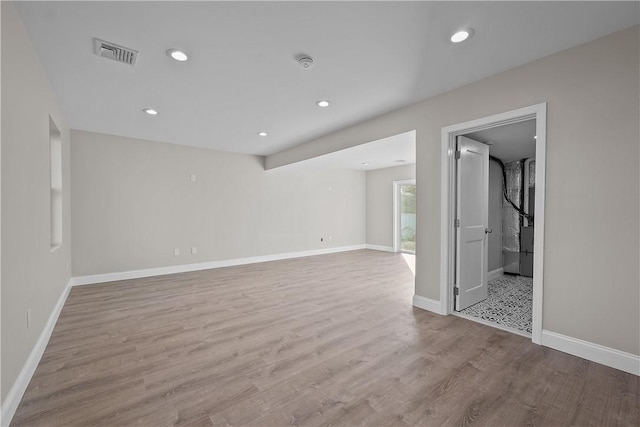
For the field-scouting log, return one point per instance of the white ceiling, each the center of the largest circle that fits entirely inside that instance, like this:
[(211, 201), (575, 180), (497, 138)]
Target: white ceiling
[(396, 150), (510, 142), (242, 76)]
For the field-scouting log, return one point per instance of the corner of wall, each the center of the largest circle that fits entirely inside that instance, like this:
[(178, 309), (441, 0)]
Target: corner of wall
[(427, 304)]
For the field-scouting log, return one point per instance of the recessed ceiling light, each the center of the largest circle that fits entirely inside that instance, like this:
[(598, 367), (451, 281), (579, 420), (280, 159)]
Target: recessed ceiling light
[(365, 163), (262, 134), (535, 137), (150, 111), (400, 161), (462, 35), (178, 55), (323, 103)]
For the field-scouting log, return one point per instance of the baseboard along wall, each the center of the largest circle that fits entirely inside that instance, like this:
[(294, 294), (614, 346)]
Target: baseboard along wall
[(12, 400), (427, 304), (494, 274), (380, 248), (184, 268), (607, 356)]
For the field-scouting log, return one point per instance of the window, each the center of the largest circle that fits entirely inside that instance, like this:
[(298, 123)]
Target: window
[(55, 160)]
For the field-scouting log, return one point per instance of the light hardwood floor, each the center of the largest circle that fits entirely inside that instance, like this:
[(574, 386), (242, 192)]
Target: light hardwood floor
[(325, 340)]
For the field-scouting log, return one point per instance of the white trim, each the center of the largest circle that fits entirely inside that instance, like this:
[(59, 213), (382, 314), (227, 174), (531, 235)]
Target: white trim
[(607, 356), (427, 304), (447, 203), (538, 232), (494, 274), (380, 248), (160, 271), (11, 402)]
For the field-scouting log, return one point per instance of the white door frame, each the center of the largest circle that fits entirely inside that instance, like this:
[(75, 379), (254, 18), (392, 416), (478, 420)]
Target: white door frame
[(397, 234), (447, 203)]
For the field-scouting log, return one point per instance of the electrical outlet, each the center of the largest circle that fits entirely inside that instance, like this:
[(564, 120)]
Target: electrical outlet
[(176, 252), (194, 251), (193, 177), (28, 318), (330, 238)]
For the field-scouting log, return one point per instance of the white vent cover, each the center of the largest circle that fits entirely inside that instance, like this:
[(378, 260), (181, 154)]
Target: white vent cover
[(115, 52)]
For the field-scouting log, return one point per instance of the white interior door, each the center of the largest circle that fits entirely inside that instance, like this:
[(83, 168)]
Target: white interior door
[(472, 222)]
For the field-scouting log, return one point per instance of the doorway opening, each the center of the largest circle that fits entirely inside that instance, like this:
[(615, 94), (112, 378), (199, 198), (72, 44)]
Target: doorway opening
[(490, 271), (404, 216), (508, 298)]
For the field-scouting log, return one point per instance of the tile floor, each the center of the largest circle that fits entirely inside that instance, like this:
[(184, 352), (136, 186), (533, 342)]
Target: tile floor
[(509, 303)]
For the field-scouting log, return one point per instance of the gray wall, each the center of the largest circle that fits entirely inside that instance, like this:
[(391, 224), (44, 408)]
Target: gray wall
[(592, 91), (380, 202), (32, 276), (495, 216), (134, 203)]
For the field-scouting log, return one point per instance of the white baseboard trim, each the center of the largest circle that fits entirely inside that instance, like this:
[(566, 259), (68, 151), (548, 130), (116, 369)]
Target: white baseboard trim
[(161, 271), (495, 273), (380, 248), (427, 304), (607, 356), (11, 402)]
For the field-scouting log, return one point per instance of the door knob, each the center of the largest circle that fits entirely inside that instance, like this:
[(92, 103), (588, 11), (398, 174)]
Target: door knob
[(488, 230)]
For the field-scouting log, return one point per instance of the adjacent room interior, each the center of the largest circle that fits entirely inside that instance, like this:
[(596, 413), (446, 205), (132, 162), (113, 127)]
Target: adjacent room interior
[(511, 201), (296, 213)]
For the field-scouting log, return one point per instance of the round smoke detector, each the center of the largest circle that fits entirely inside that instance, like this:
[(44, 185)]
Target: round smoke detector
[(305, 62)]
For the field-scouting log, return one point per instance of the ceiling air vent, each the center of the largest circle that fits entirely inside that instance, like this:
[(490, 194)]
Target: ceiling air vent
[(115, 52)]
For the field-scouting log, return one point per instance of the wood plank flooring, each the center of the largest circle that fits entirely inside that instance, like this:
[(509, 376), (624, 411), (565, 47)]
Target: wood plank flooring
[(325, 340)]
